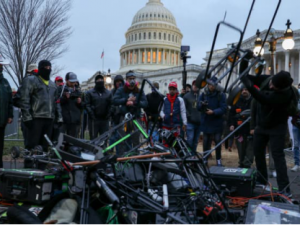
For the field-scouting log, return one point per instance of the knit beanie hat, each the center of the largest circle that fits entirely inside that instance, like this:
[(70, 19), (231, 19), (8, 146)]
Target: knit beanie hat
[(99, 76), (282, 79)]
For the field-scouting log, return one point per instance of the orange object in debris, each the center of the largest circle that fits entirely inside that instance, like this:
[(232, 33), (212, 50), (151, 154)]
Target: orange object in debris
[(239, 122), (238, 110)]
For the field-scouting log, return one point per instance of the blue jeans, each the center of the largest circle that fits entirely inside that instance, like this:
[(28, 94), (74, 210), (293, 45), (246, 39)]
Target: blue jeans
[(296, 134), (193, 133)]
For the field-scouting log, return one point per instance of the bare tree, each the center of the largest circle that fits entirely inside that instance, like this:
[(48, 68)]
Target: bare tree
[(32, 30)]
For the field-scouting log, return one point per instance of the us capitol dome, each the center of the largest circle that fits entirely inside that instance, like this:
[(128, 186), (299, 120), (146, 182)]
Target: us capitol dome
[(153, 40)]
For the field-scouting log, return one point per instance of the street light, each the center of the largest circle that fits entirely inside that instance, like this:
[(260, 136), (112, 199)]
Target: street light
[(287, 44), (108, 77)]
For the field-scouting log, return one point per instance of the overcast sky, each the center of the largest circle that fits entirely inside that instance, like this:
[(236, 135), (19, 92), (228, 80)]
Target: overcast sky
[(101, 24)]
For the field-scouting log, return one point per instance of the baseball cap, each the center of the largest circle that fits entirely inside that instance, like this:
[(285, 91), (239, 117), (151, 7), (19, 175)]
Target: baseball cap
[(32, 67), (58, 78), (173, 84), (72, 77)]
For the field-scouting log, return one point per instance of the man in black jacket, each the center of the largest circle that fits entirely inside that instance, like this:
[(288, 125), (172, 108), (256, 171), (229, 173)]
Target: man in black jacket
[(127, 98), (6, 109), (193, 117), (98, 106), (244, 140), (71, 105), (38, 95), (116, 116), (152, 110), (271, 121)]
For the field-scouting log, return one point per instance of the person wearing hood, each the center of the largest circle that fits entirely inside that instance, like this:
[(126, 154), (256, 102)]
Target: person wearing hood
[(127, 99), (212, 105), (244, 140), (98, 103), (71, 105), (193, 117), (273, 99), (38, 96), (116, 116), (6, 109)]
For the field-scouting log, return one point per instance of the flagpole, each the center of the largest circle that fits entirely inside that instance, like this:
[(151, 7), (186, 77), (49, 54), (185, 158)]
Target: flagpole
[(103, 61)]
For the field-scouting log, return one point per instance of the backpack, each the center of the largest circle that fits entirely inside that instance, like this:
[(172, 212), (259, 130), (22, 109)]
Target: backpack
[(292, 108)]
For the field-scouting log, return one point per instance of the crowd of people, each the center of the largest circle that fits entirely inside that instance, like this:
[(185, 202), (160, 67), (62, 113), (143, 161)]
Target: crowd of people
[(52, 108)]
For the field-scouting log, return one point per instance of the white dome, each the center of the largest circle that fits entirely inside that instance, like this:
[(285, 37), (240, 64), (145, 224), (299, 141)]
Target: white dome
[(152, 41), (154, 11)]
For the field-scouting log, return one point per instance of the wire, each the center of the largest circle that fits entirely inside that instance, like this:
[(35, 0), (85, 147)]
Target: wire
[(240, 202)]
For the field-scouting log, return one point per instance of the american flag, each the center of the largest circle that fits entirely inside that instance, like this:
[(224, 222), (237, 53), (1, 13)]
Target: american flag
[(102, 55)]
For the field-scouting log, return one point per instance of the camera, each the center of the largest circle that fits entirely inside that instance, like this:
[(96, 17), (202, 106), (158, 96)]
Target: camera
[(204, 106), (74, 92), (184, 51)]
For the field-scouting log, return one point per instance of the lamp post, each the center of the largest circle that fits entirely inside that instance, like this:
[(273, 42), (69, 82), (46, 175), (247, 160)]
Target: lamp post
[(287, 44)]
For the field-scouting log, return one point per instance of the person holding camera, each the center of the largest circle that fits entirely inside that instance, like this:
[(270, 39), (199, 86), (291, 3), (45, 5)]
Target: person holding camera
[(127, 98), (212, 104), (98, 103), (71, 105), (244, 140), (38, 96)]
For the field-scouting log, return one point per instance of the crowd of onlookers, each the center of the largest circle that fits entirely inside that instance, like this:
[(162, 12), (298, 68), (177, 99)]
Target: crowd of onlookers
[(61, 107)]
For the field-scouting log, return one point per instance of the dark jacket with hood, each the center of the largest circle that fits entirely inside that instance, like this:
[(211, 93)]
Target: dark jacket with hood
[(116, 110), (212, 124), (38, 100), (241, 105), (71, 110), (122, 95), (98, 104), (271, 106), (192, 113), (152, 110), (6, 109)]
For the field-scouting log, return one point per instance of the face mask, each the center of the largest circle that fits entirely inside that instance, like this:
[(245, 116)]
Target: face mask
[(45, 73), (99, 85), (132, 83)]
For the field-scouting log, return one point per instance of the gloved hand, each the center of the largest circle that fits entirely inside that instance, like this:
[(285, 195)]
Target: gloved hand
[(28, 124)]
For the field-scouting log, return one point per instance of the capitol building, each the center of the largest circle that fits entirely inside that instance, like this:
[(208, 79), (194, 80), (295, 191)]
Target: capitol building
[(152, 49)]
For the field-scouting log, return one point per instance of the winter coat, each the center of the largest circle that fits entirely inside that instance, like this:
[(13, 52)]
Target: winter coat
[(270, 108), (192, 113), (212, 124), (173, 118), (241, 105), (6, 109), (38, 100), (71, 110), (98, 105), (122, 95), (154, 102), (116, 110)]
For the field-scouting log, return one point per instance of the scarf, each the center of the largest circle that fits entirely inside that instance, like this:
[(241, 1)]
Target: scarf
[(172, 100)]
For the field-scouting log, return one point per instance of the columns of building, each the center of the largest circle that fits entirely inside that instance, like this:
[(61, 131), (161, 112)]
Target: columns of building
[(292, 68), (139, 58), (163, 57), (274, 61), (151, 56), (157, 55), (287, 61)]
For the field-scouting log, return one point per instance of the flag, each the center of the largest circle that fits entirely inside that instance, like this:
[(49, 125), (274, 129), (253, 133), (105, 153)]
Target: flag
[(102, 55)]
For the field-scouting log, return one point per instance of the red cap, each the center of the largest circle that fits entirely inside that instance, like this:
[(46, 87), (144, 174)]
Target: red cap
[(58, 78), (173, 84)]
